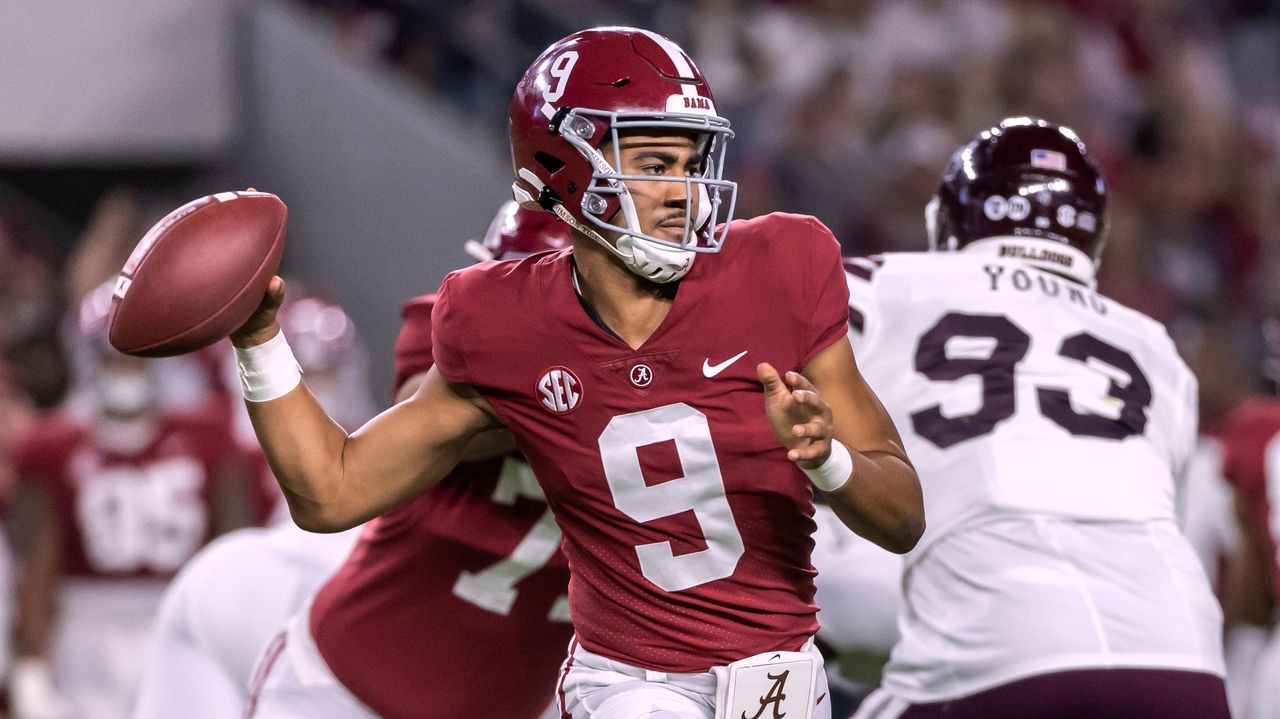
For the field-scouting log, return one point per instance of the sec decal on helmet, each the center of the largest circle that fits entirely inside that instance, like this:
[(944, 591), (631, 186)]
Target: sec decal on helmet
[(1025, 188), (585, 91)]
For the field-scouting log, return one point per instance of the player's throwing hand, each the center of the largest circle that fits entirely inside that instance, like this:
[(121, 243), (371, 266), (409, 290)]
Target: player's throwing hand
[(262, 325), (799, 416)]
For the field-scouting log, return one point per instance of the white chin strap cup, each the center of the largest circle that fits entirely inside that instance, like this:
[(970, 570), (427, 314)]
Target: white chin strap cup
[(653, 261)]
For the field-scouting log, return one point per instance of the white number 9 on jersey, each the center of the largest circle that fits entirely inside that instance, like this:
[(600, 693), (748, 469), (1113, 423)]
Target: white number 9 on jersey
[(701, 490)]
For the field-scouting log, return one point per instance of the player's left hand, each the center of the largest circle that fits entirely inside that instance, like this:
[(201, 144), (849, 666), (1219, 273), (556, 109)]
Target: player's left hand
[(800, 418)]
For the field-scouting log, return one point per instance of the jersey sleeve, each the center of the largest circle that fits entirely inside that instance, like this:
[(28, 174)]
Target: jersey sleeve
[(449, 330), (1245, 435), (828, 292), (413, 344), (858, 275), (1189, 425)]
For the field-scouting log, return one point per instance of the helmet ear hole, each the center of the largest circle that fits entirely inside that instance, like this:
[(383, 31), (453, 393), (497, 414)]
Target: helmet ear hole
[(551, 163)]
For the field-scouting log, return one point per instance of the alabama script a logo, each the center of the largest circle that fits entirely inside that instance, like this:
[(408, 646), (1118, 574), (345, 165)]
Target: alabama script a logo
[(775, 696)]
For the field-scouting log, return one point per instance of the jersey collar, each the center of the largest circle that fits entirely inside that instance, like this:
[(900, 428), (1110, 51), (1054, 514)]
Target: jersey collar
[(1048, 255)]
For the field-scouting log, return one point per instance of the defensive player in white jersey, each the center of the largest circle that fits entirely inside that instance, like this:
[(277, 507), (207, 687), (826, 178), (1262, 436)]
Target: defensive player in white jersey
[(1048, 423)]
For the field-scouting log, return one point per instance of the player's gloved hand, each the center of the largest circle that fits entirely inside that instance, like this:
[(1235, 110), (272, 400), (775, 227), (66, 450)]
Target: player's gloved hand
[(800, 418), (262, 324), (32, 694)]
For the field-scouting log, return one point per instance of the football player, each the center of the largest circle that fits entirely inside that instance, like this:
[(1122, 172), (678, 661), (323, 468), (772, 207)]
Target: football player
[(633, 386), (1251, 464), (233, 596), (208, 644), (1048, 423), (117, 498), (479, 550)]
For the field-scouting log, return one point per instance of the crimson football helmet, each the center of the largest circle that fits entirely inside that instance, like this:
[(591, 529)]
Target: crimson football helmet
[(516, 232), (1026, 188), (583, 92)]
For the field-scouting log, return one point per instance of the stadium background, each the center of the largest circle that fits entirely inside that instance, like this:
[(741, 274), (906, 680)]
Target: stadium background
[(382, 123)]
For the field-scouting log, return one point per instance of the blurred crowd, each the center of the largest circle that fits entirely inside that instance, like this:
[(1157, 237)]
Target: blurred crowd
[(847, 110)]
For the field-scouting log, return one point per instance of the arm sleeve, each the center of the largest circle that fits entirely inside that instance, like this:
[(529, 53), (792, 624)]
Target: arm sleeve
[(448, 331), (858, 274), (413, 344), (828, 311), (1241, 460), (1189, 407)]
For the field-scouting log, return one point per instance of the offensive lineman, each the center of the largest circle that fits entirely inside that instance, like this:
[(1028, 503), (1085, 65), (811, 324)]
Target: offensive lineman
[(1048, 423), (685, 512), (231, 598), (459, 584)]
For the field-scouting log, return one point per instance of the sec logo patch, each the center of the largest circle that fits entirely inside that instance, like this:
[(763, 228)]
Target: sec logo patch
[(559, 390)]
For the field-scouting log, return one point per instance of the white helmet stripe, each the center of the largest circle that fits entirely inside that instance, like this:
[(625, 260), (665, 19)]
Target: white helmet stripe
[(678, 58), (674, 52)]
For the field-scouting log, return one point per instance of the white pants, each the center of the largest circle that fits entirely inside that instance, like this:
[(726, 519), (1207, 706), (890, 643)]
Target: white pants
[(102, 632), (596, 687), (292, 680), (859, 588), (222, 609), (1263, 692)]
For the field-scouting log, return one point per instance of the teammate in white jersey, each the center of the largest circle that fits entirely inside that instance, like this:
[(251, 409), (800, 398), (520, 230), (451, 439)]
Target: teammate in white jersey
[(1047, 423)]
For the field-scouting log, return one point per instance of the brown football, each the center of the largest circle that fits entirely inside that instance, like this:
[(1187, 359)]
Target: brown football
[(198, 274)]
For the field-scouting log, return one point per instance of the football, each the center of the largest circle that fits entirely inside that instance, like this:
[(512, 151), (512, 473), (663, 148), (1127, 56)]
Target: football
[(198, 274)]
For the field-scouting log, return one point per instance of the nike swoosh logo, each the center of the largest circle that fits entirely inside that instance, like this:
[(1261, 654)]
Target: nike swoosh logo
[(820, 698), (711, 370)]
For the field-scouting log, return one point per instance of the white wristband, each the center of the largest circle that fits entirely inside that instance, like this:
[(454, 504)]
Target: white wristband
[(268, 371), (833, 473)]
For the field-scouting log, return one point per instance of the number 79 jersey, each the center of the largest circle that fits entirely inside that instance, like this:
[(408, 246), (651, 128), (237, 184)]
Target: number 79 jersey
[(1018, 391), (686, 529)]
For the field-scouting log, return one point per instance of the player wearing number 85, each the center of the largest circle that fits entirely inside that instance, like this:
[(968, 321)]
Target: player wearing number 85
[(118, 493), (680, 487), (1048, 424)]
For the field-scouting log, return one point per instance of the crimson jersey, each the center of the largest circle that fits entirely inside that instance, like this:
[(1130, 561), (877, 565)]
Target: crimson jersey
[(138, 514), (687, 529), (1251, 464), (456, 586)]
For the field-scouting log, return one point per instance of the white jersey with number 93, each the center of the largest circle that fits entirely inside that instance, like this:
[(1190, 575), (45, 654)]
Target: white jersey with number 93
[(1023, 391)]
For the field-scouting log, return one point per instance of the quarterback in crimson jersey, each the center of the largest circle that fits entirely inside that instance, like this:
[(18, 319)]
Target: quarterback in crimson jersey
[(634, 450), (677, 414), (120, 494)]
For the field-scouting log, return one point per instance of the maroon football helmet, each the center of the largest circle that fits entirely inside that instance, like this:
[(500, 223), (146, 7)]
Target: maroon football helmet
[(1025, 188), (516, 232), (581, 93)]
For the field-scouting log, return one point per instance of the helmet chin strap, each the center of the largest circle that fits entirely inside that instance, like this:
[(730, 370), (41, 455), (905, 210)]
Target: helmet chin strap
[(646, 259), (653, 261)]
